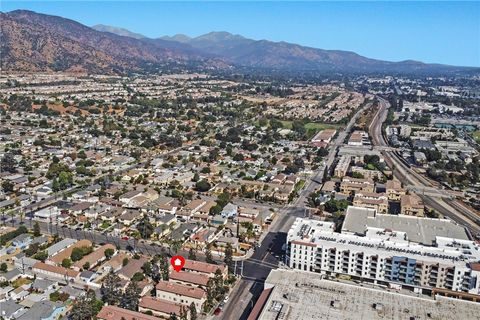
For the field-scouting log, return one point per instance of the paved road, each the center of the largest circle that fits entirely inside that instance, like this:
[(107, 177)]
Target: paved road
[(416, 182), (100, 238)]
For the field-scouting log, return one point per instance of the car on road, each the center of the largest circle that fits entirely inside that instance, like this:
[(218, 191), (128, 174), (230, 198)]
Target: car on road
[(125, 238), (217, 311), (225, 300)]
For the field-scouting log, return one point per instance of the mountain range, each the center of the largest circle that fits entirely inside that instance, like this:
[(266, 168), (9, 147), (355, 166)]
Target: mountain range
[(34, 42)]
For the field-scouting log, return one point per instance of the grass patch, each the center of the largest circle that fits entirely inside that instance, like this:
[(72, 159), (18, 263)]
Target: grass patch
[(476, 136), (20, 282)]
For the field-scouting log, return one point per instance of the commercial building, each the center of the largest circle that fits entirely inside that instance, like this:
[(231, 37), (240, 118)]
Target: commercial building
[(417, 254)]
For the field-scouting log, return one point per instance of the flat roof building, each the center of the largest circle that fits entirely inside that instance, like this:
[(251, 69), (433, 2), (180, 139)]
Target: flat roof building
[(417, 254), (293, 294)]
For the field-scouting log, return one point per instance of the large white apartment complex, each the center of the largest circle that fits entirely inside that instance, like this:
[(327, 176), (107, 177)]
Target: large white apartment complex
[(414, 253)]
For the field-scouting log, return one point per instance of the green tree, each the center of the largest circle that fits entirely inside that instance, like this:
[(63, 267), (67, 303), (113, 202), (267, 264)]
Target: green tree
[(183, 313), (131, 297), (8, 163), (66, 263), (229, 257), (138, 276), (109, 253), (202, 185), (3, 267), (208, 255), (36, 229), (85, 307), (110, 289), (191, 254), (145, 228), (164, 267), (193, 312), (7, 186)]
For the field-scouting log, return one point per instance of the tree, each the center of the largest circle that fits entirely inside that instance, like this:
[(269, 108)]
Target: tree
[(66, 263), (229, 257), (156, 276), (173, 316), (131, 297), (86, 266), (36, 229), (183, 313), (7, 186), (147, 268), (109, 253), (211, 294), (138, 276), (193, 312), (208, 255), (202, 185), (196, 177), (191, 254), (3, 267), (110, 289), (8, 163), (86, 307), (145, 228), (164, 267)]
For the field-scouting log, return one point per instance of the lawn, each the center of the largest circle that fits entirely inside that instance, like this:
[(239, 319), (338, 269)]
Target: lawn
[(476, 136), (287, 124), (20, 282)]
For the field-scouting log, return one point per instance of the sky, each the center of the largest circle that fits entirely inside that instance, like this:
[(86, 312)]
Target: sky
[(435, 32)]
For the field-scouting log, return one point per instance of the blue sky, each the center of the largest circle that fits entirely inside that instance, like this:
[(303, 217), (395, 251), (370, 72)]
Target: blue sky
[(440, 32)]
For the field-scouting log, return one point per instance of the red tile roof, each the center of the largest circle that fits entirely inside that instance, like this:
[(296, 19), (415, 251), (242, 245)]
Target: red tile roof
[(202, 266), (160, 305), (195, 278), (61, 271), (181, 289), (116, 313)]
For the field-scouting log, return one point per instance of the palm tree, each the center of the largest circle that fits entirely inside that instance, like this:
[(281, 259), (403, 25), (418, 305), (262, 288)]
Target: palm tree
[(177, 245), (3, 216), (11, 213), (22, 215)]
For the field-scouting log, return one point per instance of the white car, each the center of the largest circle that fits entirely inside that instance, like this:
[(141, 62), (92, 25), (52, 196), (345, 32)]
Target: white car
[(225, 300)]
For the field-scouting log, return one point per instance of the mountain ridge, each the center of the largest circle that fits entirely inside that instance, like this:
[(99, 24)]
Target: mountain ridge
[(39, 42)]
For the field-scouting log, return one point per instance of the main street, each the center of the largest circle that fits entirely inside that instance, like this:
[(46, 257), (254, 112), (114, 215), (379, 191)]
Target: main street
[(418, 183)]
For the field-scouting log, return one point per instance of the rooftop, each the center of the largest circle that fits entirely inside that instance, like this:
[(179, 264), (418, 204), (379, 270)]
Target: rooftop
[(417, 229), (115, 313), (301, 295)]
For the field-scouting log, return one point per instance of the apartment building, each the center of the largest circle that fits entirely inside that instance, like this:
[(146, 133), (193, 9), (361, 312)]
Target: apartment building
[(377, 201), (182, 294), (369, 174), (412, 205), (342, 166), (394, 190), (419, 258), (351, 185)]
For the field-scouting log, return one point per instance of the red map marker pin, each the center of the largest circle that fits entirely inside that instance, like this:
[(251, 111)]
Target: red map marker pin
[(177, 262)]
